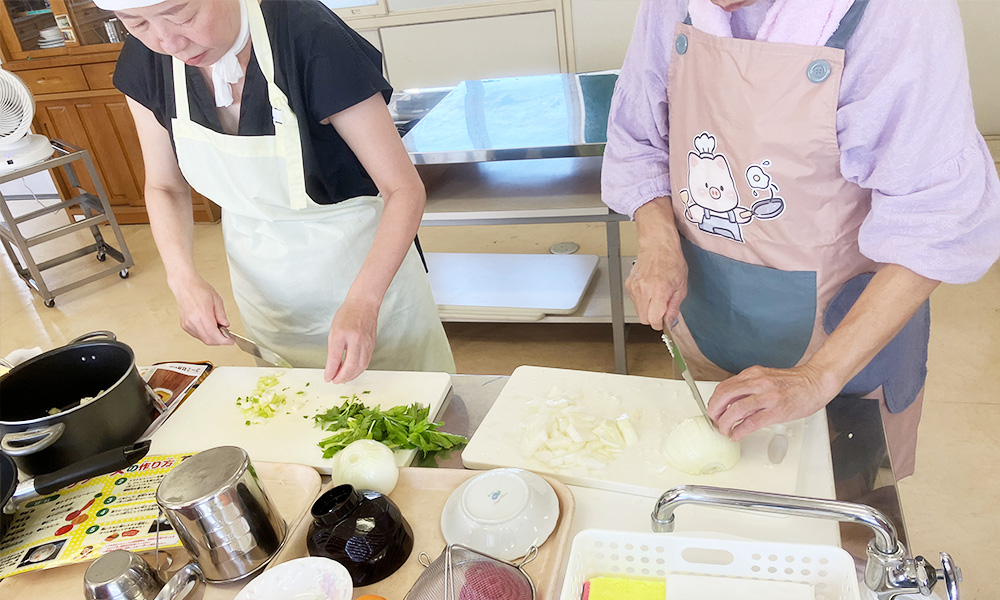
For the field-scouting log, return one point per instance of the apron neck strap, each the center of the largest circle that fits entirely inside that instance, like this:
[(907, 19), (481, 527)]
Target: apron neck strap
[(261, 49), (180, 91), (848, 25)]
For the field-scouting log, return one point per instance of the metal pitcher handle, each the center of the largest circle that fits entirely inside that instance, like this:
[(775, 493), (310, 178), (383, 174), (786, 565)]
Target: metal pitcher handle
[(40, 439), (182, 583), (103, 333)]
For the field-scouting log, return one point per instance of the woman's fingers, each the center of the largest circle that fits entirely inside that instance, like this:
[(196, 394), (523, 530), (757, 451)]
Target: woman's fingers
[(334, 359)]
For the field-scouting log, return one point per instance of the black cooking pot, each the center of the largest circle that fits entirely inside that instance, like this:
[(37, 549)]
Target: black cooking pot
[(104, 369)]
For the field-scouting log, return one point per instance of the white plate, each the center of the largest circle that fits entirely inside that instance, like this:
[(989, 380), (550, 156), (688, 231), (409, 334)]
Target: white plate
[(310, 578), (502, 513)]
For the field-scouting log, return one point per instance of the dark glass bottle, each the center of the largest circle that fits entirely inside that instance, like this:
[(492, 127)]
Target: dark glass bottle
[(362, 530)]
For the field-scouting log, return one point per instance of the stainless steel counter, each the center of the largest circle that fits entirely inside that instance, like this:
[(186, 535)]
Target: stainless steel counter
[(861, 466), (548, 116)]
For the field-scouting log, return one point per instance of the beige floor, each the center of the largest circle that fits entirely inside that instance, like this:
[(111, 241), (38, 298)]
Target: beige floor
[(950, 504)]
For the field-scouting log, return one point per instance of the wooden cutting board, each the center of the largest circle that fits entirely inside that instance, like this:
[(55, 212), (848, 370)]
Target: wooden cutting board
[(210, 417), (654, 407)]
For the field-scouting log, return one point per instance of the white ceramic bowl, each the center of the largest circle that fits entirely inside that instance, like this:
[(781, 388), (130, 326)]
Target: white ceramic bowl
[(502, 513), (314, 577)]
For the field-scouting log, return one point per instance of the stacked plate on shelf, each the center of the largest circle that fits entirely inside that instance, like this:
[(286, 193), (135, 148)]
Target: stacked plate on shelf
[(50, 37)]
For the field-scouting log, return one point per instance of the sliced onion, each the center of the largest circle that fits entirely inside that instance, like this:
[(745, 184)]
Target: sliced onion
[(568, 439), (367, 465), (695, 447)]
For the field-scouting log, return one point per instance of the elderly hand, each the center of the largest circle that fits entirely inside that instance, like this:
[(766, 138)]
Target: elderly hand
[(658, 285), (201, 310), (351, 341), (761, 396)]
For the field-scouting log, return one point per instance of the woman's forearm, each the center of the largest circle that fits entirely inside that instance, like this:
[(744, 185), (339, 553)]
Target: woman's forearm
[(395, 233), (171, 221), (886, 305)]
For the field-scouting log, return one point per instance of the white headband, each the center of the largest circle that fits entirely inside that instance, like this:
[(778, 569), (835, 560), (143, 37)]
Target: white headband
[(125, 4)]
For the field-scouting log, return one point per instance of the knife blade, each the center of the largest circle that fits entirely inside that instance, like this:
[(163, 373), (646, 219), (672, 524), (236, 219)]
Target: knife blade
[(251, 347), (675, 352)]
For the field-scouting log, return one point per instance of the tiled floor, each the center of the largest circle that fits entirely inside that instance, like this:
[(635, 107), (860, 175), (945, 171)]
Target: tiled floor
[(950, 504)]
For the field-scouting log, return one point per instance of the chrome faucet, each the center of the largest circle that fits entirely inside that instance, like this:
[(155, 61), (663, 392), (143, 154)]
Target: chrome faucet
[(888, 572)]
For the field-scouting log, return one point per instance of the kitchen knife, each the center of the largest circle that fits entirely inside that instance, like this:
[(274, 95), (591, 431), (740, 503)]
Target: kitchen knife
[(251, 347), (675, 352)]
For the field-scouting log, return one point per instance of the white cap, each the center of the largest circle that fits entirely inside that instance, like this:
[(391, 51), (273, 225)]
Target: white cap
[(125, 4)]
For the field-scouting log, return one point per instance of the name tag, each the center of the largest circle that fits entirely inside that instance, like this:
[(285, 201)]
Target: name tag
[(276, 116)]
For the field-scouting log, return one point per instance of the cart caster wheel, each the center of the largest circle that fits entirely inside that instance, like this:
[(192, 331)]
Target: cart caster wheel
[(51, 302), (102, 256), (123, 273)]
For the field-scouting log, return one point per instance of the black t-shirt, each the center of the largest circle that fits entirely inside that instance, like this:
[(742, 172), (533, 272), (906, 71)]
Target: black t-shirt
[(321, 65)]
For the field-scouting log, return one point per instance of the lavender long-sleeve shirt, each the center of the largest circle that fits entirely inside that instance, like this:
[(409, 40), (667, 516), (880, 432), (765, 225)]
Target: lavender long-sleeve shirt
[(905, 125)]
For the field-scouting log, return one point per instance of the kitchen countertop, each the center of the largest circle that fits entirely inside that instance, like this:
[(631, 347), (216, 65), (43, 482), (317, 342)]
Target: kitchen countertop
[(861, 466), (515, 118)]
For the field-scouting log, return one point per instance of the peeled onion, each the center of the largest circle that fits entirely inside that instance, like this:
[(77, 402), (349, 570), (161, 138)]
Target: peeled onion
[(366, 465), (695, 447)]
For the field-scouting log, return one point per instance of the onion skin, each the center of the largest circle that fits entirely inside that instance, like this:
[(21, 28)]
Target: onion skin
[(366, 465), (696, 448)]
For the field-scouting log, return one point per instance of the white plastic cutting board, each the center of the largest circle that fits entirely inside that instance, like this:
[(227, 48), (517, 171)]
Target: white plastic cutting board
[(547, 283), (654, 407), (210, 417)]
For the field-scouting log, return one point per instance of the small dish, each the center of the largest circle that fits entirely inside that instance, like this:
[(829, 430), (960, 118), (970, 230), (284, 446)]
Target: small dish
[(311, 577), (502, 512)]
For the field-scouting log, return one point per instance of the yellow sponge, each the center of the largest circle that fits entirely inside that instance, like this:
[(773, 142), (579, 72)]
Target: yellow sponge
[(616, 588)]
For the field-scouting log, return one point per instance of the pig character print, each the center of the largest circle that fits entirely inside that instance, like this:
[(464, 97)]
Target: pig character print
[(711, 199)]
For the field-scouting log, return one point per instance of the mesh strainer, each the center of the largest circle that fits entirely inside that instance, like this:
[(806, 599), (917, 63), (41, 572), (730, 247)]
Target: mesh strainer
[(461, 573)]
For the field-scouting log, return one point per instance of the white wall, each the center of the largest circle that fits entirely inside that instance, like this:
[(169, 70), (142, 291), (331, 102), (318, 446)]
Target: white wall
[(601, 32), (982, 40)]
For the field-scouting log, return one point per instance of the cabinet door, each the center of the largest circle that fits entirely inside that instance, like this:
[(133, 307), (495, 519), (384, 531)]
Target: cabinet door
[(446, 53), (103, 125)]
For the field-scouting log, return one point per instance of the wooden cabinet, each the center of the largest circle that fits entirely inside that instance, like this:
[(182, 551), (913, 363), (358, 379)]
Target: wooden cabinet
[(75, 99)]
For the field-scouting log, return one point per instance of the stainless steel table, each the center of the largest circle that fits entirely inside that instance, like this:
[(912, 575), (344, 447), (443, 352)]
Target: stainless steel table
[(475, 150), (861, 467)]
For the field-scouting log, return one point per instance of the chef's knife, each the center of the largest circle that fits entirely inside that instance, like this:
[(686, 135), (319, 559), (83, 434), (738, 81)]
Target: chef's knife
[(252, 348), (675, 352)]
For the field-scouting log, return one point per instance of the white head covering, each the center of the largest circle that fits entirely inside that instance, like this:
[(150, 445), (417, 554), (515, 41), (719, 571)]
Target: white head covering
[(227, 70), (124, 4)]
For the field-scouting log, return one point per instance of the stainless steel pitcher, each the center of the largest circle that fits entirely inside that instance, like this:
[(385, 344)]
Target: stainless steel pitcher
[(221, 513)]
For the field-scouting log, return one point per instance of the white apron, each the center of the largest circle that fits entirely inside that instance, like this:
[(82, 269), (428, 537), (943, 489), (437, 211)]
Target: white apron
[(291, 260)]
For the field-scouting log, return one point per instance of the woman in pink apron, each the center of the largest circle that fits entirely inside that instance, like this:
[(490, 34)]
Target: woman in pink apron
[(275, 110), (802, 174)]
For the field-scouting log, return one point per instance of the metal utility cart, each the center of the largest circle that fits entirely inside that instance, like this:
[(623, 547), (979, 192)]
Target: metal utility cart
[(96, 211)]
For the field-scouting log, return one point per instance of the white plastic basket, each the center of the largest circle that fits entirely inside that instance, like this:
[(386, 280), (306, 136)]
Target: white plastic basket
[(595, 552)]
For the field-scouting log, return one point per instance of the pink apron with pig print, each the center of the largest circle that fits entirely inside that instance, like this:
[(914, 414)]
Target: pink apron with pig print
[(769, 225)]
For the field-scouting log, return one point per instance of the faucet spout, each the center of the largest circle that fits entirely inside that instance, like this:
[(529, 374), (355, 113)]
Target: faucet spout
[(888, 572), (886, 540)]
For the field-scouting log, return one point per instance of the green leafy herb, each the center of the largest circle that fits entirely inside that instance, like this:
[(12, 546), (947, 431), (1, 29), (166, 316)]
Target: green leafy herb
[(403, 427)]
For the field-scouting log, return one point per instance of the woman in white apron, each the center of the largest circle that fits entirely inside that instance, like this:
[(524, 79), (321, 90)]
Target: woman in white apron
[(792, 217), (323, 267)]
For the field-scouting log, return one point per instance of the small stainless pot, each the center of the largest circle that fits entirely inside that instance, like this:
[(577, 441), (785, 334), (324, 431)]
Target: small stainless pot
[(221, 513), (124, 575)]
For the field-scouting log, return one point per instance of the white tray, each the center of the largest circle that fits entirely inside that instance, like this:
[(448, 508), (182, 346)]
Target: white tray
[(828, 569)]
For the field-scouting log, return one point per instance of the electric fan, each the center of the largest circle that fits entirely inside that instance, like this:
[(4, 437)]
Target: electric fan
[(18, 147)]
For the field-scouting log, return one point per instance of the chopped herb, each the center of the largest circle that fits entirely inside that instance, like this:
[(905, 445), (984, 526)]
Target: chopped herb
[(399, 427)]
